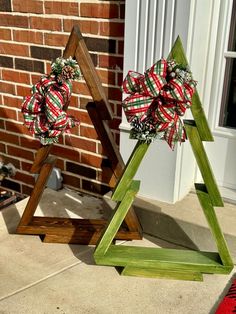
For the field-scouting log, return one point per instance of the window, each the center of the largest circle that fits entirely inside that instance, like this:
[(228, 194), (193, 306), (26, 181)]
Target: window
[(228, 108)]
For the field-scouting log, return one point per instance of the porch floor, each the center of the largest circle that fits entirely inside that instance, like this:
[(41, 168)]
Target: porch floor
[(47, 278)]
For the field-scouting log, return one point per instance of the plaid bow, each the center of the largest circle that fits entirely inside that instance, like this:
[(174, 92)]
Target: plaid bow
[(43, 111), (157, 100)]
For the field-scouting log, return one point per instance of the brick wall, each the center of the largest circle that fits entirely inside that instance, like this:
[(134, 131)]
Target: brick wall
[(33, 33)]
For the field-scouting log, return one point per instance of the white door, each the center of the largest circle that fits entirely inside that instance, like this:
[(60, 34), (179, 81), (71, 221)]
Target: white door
[(222, 100)]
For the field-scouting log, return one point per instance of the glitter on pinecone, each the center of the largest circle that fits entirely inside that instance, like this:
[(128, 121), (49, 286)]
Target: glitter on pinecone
[(67, 73)]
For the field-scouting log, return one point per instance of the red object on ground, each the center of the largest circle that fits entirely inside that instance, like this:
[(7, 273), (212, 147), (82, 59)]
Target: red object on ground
[(228, 304)]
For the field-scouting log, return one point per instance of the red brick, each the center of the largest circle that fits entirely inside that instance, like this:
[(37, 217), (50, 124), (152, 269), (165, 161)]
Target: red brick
[(119, 79), (2, 148), (122, 11), (120, 47), (114, 123), (86, 27), (63, 8), (20, 153), (89, 132), (12, 160), (58, 40), (9, 138), (74, 101), (7, 113), (111, 62), (51, 24), (16, 128), (2, 124), (35, 78), (13, 20), (14, 49), (80, 143), (28, 36), (26, 166), (114, 29), (66, 153), (28, 6), (91, 160), (5, 34), (15, 76), (26, 178), (82, 116), (26, 190), (29, 143), (94, 187), (80, 88), (60, 164), (99, 10), (107, 77), (71, 180), (23, 90), (113, 93), (7, 88)]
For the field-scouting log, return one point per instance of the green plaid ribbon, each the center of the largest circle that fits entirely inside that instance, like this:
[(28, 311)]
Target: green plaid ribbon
[(157, 100)]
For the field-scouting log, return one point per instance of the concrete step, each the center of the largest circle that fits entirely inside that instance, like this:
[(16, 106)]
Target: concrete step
[(184, 223)]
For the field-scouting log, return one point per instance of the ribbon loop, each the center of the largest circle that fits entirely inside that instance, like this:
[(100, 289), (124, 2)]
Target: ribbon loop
[(157, 99), (43, 111)]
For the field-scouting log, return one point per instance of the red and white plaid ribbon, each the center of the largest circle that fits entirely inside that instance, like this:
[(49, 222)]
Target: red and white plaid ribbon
[(156, 97), (43, 110)]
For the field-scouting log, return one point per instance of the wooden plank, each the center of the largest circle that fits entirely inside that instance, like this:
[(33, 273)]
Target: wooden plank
[(91, 77), (177, 53), (37, 191), (41, 156), (117, 219), (106, 138), (72, 229), (203, 163), (168, 259), (130, 170), (152, 272), (213, 223)]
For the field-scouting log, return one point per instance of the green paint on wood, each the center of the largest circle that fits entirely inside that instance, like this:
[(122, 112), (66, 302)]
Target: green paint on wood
[(177, 53), (117, 219), (160, 262), (213, 223), (203, 164), (161, 273), (130, 170)]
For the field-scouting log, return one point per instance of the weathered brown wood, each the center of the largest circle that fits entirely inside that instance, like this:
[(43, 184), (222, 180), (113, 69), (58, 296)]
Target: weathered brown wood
[(70, 231), (108, 144), (40, 158), (91, 77), (37, 191)]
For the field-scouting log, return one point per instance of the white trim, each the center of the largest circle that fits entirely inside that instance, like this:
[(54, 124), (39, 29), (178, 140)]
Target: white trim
[(230, 54)]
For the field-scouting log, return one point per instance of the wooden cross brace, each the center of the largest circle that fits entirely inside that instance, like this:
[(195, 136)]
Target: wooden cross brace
[(70, 230)]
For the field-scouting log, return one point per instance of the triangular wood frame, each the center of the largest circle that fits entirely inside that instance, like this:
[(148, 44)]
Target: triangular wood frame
[(160, 262), (70, 230)]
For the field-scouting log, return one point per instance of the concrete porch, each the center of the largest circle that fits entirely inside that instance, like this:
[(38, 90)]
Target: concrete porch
[(42, 278)]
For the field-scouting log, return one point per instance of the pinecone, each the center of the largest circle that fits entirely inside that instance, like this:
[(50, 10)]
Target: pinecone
[(67, 73)]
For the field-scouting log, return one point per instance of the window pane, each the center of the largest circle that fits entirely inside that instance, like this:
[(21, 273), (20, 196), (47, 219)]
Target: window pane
[(232, 34), (228, 119)]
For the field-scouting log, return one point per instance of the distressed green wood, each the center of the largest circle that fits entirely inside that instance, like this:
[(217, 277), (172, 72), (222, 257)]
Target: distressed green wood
[(213, 223), (130, 170), (177, 53), (161, 273), (160, 262), (203, 163), (162, 258), (117, 219)]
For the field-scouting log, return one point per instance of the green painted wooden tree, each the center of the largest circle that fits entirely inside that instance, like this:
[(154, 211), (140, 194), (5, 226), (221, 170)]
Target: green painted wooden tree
[(161, 262)]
